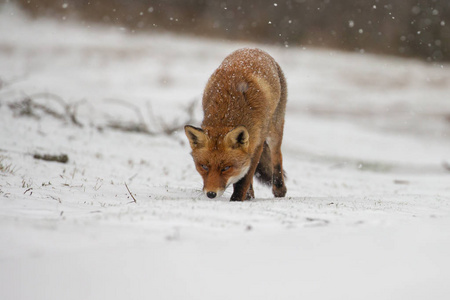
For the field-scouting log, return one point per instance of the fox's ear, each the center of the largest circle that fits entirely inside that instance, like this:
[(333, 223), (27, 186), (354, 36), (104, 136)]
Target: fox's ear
[(196, 136), (237, 138)]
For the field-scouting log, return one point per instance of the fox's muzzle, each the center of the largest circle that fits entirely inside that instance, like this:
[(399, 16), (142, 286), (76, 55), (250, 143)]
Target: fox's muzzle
[(211, 195)]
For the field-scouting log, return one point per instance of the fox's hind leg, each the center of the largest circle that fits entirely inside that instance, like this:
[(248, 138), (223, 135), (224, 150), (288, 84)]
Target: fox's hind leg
[(264, 172), (278, 186), (276, 138)]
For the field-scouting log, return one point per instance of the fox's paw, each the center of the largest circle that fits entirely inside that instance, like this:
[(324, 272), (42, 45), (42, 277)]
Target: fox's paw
[(250, 193), (279, 191), (248, 196), (236, 198)]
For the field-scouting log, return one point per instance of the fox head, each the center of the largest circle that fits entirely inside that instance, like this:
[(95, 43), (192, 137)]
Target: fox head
[(220, 158)]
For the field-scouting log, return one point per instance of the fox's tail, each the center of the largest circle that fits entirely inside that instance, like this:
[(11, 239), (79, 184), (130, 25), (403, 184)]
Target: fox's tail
[(264, 173)]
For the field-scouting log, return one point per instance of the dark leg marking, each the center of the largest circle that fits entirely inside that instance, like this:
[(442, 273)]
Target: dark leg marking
[(278, 189)]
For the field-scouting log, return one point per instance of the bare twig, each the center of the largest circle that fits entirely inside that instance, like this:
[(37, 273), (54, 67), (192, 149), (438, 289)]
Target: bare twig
[(151, 114), (24, 108), (142, 127), (130, 127), (69, 109), (153, 125), (130, 193), (62, 158), (4, 83), (28, 106), (49, 96), (170, 129), (131, 106)]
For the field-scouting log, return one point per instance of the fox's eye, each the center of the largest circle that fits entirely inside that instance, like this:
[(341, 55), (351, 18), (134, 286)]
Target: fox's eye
[(204, 167), (226, 168)]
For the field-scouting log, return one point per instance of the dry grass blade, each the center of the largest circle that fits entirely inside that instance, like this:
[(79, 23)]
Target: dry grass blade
[(6, 167), (134, 199)]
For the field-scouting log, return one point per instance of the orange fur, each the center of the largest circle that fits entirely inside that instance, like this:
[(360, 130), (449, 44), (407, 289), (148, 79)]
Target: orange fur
[(244, 104)]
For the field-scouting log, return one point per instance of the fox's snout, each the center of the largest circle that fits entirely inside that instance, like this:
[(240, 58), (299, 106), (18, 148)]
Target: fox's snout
[(215, 185), (211, 195)]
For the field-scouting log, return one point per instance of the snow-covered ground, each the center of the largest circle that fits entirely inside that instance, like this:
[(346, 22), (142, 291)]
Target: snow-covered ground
[(367, 213)]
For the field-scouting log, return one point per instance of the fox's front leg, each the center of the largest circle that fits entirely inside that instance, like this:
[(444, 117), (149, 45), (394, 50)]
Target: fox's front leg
[(250, 192), (243, 189)]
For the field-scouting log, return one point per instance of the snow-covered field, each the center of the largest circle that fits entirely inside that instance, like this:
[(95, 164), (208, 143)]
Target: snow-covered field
[(366, 149)]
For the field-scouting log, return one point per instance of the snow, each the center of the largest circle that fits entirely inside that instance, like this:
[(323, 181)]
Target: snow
[(367, 214)]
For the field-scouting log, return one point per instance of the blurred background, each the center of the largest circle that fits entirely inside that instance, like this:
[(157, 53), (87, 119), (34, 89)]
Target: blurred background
[(407, 28)]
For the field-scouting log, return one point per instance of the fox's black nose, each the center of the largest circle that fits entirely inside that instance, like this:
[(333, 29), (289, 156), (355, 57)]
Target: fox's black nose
[(211, 195)]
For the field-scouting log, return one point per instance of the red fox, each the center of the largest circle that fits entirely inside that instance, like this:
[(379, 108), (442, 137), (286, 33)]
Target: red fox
[(244, 104)]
